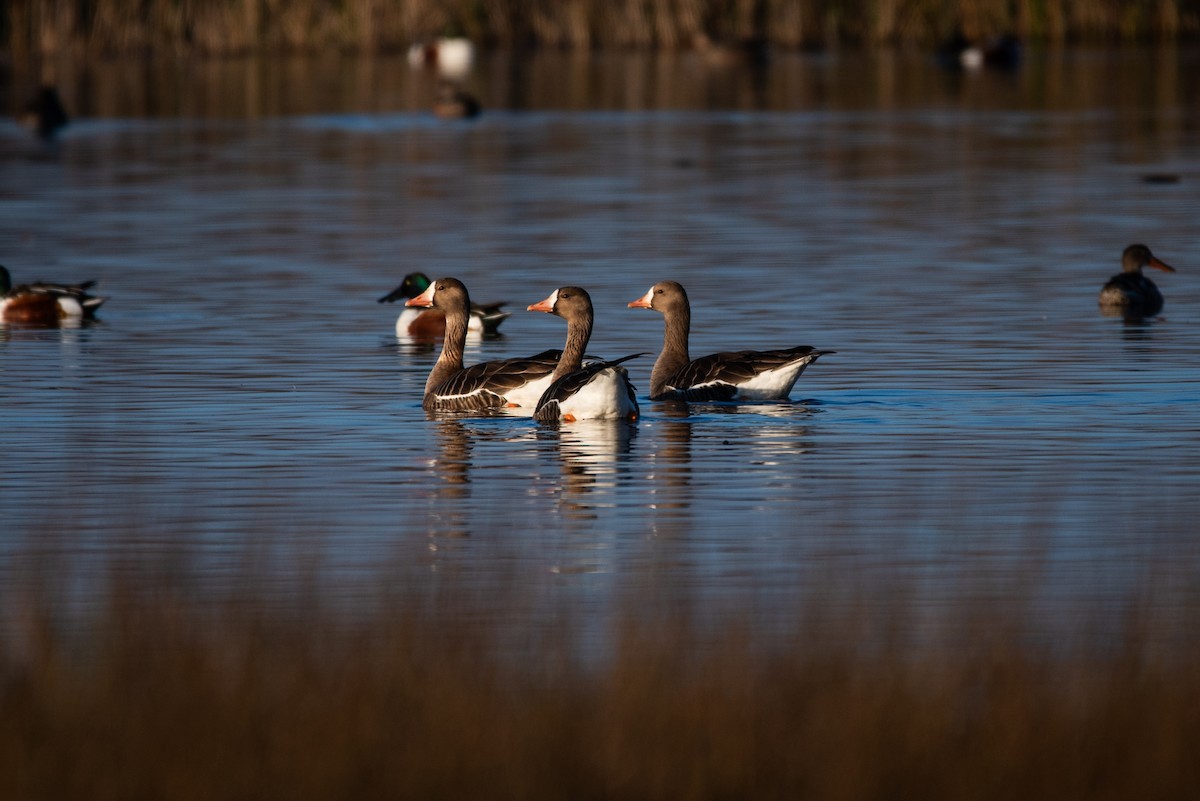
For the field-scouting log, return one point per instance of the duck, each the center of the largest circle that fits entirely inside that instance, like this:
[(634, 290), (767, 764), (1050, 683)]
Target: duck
[(449, 55), (44, 113), (1131, 293), (502, 383), (600, 390), (746, 375), (962, 53), (454, 102), (485, 318), (46, 304)]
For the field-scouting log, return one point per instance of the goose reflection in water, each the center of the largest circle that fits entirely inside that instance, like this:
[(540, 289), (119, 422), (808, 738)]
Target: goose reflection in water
[(595, 456), (452, 466)]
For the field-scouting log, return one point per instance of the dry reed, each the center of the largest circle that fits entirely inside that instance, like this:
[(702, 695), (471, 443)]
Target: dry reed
[(122, 27), (157, 688)]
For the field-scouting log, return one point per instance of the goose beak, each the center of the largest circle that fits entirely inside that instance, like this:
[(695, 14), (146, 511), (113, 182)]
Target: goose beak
[(425, 299), (644, 301), (546, 305), (1154, 262)]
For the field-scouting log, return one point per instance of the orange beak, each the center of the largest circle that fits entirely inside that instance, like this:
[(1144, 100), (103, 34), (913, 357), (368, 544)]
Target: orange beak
[(1154, 262), (425, 299), (546, 305), (643, 302)]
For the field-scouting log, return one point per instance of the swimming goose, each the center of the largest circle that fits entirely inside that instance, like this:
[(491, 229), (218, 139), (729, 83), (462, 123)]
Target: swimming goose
[(740, 375), (599, 391), (45, 304), (1131, 293), (487, 385), (485, 318)]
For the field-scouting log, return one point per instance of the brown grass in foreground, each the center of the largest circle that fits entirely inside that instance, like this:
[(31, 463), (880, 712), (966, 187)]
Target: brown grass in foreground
[(132, 27), (165, 694)]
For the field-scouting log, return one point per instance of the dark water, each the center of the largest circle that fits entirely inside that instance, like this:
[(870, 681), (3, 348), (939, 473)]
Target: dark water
[(946, 235)]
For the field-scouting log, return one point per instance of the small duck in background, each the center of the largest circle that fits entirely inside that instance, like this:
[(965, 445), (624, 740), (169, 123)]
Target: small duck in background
[(484, 320), (1129, 293), (452, 56), (46, 304), (453, 102), (44, 113), (962, 53)]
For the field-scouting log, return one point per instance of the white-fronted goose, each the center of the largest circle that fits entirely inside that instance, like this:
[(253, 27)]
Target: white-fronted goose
[(1131, 293), (484, 321), (598, 391), (487, 385), (730, 376), (45, 304)]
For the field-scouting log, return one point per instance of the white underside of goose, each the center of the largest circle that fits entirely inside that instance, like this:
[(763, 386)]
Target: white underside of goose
[(605, 397), (525, 398), (767, 385)]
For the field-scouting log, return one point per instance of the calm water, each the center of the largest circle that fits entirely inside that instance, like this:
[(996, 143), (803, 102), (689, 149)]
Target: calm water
[(946, 235)]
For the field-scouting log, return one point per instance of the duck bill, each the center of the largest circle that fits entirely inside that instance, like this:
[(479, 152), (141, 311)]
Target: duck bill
[(644, 302), (393, 296), (425, 299), (546, 305), (1160, 265)]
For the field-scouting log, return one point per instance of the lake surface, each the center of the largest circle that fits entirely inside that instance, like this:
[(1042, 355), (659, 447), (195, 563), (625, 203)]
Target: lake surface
[(982, 423)]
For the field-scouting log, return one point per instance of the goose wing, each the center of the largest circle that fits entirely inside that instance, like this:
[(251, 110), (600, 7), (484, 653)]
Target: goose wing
[(486, 385), (717, 377)]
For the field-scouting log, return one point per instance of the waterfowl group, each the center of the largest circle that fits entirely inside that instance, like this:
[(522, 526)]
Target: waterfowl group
[(485, 318), (1129, 292), (45, 304), (555, 386)]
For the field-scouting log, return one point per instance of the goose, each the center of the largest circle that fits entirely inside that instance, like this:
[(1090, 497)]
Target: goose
[(1131, 293), (484, 321), (45, 304), (516, 383), (729, 376), (598, 391)]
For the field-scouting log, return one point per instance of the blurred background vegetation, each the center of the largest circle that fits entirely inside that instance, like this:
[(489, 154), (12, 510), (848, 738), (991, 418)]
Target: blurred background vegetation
[(228, 27), (151, 682)]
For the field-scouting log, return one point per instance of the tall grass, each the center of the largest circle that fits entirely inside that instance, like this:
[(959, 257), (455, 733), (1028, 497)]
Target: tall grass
[(157, 688), (239, 26)]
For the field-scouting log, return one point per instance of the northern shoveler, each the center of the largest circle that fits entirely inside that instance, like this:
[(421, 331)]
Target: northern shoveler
[(45, 304), (429, 323)]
